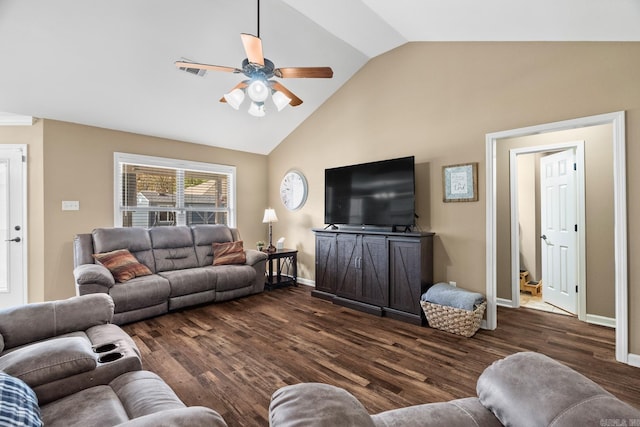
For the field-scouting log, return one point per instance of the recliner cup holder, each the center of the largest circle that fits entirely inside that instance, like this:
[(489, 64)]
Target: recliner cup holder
[(110, 357), (105, 347)]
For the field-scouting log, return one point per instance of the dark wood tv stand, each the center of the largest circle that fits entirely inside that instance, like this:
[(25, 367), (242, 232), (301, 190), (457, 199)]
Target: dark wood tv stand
[(379, 272)]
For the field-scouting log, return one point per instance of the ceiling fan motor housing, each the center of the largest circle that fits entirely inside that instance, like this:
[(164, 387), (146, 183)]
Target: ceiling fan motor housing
[(253, 71)]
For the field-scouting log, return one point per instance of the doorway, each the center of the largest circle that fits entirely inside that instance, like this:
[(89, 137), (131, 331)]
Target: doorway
[(13, 185), (617, 122), (548, 228)]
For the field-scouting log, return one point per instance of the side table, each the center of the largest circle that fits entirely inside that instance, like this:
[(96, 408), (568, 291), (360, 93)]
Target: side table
[(286, 261)]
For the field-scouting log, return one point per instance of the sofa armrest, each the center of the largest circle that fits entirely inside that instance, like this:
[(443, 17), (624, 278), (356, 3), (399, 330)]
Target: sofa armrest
[(193, 416), (254, 256), (530, 389), (93, 274), (38, 321), (316, 405), (48, 361)]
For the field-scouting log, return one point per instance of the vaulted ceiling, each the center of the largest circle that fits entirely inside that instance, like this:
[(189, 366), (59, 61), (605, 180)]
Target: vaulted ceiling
[(111, 63)]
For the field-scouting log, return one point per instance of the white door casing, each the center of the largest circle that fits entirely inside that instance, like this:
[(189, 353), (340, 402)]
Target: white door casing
[(558, 225), (617, 120), (13, 289)]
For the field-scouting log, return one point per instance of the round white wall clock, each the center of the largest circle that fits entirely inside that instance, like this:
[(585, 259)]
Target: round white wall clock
[(293, 190)]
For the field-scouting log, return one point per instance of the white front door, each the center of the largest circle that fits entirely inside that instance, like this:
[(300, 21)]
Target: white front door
[(558, 226), (12, 214)]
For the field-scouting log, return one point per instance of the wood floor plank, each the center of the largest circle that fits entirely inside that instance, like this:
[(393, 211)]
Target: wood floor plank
[(232, 356)]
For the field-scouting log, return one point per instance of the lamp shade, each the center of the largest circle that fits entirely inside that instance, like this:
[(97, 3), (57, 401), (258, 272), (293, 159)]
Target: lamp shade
[(258, 91), (270, 216), (256, 109), (280, 99), (234, 98)]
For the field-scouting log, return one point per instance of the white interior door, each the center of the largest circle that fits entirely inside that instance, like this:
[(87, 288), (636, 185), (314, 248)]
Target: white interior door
[(12, 210), (558, 226)]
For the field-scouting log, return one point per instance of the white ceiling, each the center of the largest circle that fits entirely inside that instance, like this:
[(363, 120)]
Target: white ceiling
[(110, 63)]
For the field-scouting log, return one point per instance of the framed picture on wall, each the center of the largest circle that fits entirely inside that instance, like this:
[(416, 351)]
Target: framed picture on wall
[(460, 183)]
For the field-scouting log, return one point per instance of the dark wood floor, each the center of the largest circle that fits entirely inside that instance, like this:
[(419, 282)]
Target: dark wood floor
[(232, 356)]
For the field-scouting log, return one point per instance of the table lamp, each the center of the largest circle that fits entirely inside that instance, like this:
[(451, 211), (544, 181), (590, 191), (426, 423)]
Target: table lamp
[(270, 217)]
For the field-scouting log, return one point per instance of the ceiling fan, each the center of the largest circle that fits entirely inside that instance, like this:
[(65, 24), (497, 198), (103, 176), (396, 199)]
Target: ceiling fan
[(260, 71)]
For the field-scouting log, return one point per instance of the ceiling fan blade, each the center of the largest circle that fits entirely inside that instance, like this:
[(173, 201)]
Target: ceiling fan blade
[(253, 48), (304, 72), (295, 101), (240, 85), (182, 64)]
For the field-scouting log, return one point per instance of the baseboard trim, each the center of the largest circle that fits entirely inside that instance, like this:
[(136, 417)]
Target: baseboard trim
[(306, 282), (634, 360), (601, 320)]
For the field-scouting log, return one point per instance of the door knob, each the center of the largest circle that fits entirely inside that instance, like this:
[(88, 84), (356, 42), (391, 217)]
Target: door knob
[(15, 239), (543, 237)]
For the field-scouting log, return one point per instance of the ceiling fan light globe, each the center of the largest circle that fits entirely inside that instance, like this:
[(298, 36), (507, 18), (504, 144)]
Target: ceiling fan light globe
[(258, 91), (280, 99), (256, 109), (234, 98)]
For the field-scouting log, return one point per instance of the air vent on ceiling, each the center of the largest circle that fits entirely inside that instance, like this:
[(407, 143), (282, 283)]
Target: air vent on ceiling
[(195, 71)]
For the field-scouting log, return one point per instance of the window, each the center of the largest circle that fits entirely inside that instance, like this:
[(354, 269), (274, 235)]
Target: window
[(155, 191)]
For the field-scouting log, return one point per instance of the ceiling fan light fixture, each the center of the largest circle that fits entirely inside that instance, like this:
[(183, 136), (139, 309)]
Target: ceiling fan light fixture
[(280, 99), (258, 91), (234, 98), (256, 109)]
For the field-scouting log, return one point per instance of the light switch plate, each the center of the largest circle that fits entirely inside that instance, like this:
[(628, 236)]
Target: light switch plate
[(70, 205)]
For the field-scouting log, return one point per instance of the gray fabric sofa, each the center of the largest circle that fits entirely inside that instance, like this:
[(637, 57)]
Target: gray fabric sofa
[(61, 347), (524, 389), (181, 260), (81, 370), (134, 399)]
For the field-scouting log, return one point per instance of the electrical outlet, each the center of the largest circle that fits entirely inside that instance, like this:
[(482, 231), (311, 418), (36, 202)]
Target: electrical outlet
[(452, 283)]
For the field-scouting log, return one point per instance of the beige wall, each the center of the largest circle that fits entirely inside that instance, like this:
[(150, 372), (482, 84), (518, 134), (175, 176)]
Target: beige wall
[(527, 213), (437, 101), (76, 163), (599, 212)]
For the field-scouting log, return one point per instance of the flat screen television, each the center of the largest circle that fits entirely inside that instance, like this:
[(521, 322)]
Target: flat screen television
[(378, 193)]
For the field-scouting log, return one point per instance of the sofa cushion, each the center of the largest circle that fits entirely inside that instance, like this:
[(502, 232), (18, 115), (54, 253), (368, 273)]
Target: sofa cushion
[(233, 277), (143, 393), (173, 248), (122, 265), (140, 292), (316, 405), (460, 412), (136, 239), (531, 389), (95, 406), (190, 281), (228, 253), (47, 361), (18, 403), (204, 236)]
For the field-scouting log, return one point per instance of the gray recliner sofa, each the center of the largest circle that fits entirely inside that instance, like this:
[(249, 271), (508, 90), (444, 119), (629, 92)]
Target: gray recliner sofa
[(61, 347), (525, 389), (62, 363), (181, 260)]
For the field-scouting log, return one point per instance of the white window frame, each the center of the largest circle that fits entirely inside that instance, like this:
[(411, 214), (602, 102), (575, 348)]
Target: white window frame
[(142, 160)]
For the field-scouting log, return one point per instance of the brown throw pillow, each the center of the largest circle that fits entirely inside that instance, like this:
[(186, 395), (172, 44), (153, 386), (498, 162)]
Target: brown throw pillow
[(229, 253), (122, 265)]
